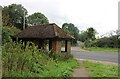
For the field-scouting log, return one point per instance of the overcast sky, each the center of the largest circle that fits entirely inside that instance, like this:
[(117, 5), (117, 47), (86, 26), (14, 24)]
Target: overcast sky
[(99, 14)]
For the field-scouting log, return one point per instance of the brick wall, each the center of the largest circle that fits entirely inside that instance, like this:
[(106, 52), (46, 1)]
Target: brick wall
[(67, 46), (55, 45)]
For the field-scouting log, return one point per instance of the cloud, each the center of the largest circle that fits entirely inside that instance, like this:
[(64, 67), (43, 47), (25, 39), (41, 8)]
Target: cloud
[(99, 14)]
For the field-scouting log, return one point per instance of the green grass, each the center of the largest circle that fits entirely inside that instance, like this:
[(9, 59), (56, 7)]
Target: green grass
[(98, 49), (61, 69), (101, 70)]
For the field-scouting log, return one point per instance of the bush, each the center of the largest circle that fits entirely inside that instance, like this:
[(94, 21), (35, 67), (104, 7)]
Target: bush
[(64, 56), (107, 42), (18, 58), (7, 32), (88, 43), (59, 56)]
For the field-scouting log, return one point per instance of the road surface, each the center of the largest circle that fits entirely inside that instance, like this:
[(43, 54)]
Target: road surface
[(81, 54)]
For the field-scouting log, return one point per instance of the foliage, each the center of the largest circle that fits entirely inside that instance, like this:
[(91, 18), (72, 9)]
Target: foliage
[(83, 36), (101, 70), (87, 43), (18, 58), (12, 15), (37, 18), (10, 30), (71, 30), (88, 36), (27, 61), (7, 32), (111, 41), (91, 33), (59, 56)]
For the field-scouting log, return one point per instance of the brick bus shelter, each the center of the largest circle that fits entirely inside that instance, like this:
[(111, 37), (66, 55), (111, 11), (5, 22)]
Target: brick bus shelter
[(51, 33)]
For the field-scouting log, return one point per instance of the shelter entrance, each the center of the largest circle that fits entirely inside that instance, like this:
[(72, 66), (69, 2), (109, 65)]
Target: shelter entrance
[(56, 45)]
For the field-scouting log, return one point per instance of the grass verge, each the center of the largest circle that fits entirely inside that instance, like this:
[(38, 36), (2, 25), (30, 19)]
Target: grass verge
[(28, 61), (61, 68), (98, 49), (101, 70)]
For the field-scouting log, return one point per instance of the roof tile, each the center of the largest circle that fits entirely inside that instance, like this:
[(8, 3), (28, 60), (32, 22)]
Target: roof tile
[(43, 31)]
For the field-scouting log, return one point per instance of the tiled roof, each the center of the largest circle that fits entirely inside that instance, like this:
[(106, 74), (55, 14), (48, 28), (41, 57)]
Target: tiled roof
[(43, 32)]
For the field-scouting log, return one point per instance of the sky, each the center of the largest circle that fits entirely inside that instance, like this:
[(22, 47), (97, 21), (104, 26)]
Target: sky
[(102, 15)]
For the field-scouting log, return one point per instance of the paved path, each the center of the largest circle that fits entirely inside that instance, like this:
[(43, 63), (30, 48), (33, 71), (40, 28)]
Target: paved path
[(80, 72), (81, 54)]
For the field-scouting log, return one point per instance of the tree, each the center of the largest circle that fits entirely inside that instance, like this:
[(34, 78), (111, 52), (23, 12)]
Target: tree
[(83, 36), (13, 15), (88, 36), (71, 30), (91, 33), (37, 18)]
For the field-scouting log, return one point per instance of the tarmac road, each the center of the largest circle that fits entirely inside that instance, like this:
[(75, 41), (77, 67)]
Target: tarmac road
[(81, 54)]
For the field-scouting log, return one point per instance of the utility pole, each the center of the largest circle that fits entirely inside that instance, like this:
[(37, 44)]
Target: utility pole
[(24, 21)]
